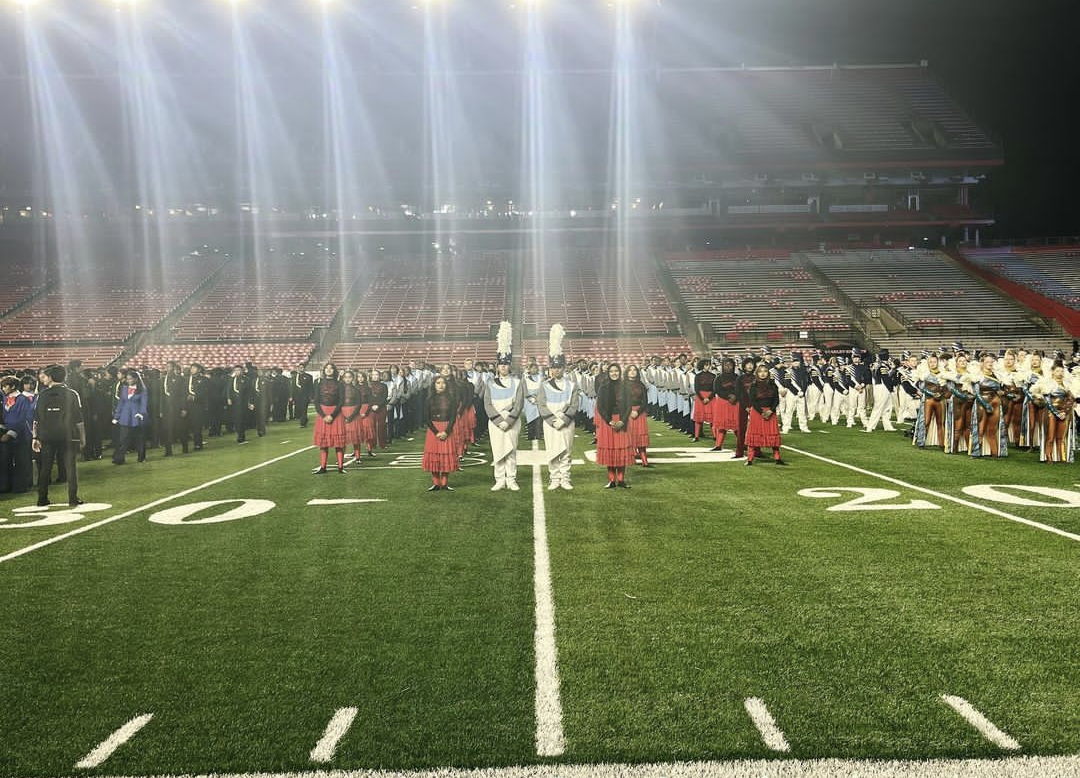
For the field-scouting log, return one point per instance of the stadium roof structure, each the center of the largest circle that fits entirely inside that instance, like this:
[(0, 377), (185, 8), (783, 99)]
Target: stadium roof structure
[(822, 117)]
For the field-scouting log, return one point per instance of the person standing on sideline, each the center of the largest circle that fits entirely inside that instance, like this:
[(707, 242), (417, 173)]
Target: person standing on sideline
[(129, 418), (58, 424), (504, 400), (557, 401), (762, 428), (301, 386)]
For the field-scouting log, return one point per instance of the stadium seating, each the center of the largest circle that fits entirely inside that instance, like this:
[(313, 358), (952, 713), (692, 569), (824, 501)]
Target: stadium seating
[(109, 308), (935, 299), (21, 281), (590, 297), (20, 357), (1051, 274), (455, 298), (284, 355), (745, 300), (279, 301)]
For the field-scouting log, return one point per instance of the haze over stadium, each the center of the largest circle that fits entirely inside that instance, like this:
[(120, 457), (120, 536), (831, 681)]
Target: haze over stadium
[(216, 214)]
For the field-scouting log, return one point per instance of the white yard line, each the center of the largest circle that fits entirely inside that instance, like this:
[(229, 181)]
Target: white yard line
[(345, 501), (550, 740), (981, 723), (337, 728), (940, 495), (1009, 767), (113, 742), (766, 724), (149, 505)]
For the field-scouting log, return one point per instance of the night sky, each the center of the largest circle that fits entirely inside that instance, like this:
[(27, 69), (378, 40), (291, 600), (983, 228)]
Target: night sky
[(1014, 65)]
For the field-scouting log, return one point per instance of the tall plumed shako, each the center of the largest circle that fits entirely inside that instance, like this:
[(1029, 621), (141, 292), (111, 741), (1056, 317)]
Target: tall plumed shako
[(556, 357), (504, 344)]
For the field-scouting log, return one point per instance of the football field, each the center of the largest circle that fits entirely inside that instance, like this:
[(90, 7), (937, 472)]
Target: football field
[(228, 612)]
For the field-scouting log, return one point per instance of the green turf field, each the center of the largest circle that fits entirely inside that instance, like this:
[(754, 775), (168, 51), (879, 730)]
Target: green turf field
[(707, 584)]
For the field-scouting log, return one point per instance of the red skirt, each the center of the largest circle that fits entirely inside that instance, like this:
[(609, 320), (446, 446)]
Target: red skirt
[(468, 420), (440, 456), (703, 412), (638, 430), (330, 435), (725, 415), (761, 431), (613, 447), (378, 427)]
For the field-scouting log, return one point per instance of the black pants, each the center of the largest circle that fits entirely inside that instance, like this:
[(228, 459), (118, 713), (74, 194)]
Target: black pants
[(129, 438), (16, 466), (301, 410), (60, 453)]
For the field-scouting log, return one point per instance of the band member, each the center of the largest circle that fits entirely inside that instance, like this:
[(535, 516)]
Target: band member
[(637, 425), (379, 398), (745, 380), (613, 446), (198, 395), (504, 400), (930, 423), (353, 408), (330, 424), (958, 406), (129, 418), (988, 434), (882, 385), (17, 413), (533, 378), (301, 387), (557, 402), (1012, 381), (57, 432), (1033, 412), (704, 391), (239, 402), (440, 457), (725, 404), (762, 427), (1059, 434), (173, 401)]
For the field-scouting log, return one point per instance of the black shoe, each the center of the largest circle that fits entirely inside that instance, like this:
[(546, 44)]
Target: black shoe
[(371, 454), (342, 470), (610, 485), (75, 502), (320, 471), (60, 481), (448, 488), (717, 448), (434, 488), (749, 462), (780, 462), (169, 453), (42, 503), (624, 485), (694, 438)]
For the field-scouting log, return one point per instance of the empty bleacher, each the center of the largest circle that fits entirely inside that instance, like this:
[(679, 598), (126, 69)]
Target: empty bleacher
[(209, 355), (21, 357), (282, 300), (934, 298), (755, 300), (589, 296), (109, 307), (458, 297), (1053, 273)]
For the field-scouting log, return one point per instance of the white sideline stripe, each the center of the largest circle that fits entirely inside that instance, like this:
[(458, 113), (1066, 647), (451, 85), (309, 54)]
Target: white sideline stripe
[(981, 723), (942, 495), (113, 742), (766, 724), (154, 504), (345, 501), (1006, 767), (550, 740), (335, 731)]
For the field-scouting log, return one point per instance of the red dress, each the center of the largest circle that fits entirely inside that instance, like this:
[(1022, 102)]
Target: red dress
[(441, 456), (638, 429), (725, 414), (613, 448), (353, 405), (328, 396), (760, 431), (703, 390)]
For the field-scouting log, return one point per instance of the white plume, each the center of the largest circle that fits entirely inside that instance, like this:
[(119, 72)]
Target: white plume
[(505, 338), (555, 339)]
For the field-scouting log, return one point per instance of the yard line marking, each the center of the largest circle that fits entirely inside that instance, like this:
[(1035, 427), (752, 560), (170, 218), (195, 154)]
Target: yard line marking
[(335, 731), (1006, 767), (550, 740), (344, 501), (154, 504), (113, 742), (981, 723), (282, 443), (941, 495), (766, 724)]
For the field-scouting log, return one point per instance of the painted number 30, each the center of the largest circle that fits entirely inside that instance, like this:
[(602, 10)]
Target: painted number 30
[(871, 499)]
